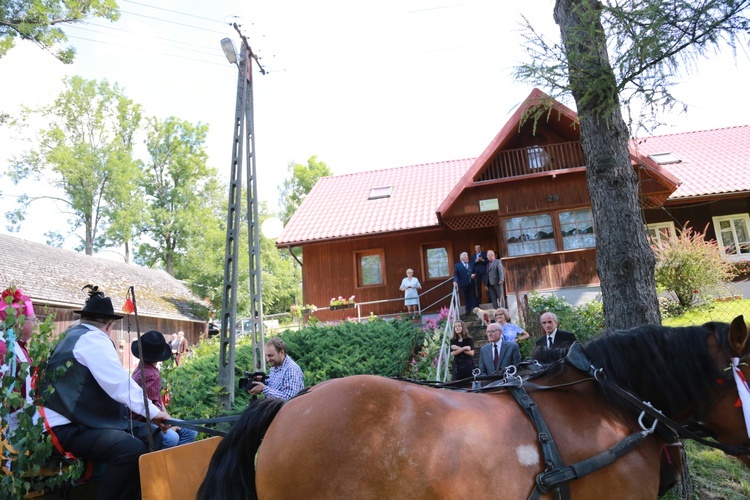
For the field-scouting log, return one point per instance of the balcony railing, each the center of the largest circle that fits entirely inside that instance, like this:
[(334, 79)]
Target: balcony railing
[(534, 160)]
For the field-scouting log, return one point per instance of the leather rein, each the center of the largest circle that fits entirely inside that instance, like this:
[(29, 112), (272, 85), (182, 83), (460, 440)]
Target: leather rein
[(556, 476)]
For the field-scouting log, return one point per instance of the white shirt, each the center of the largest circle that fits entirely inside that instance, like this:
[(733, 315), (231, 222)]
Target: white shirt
[(96, 352)]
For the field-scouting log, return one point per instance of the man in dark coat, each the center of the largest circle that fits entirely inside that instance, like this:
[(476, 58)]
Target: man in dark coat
[(478, 261), (463, 273), (553, 337)]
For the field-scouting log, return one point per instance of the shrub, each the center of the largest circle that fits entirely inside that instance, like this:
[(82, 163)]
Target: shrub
[(669, 308), (690, 267), (28, 447), (322, 352)]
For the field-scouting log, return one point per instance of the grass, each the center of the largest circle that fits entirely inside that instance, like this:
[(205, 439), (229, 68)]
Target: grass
[(713, 311), (714, 474)]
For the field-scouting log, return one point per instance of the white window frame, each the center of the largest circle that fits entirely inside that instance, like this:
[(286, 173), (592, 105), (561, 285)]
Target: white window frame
[(656, 227), (578, 240), (717, 229)]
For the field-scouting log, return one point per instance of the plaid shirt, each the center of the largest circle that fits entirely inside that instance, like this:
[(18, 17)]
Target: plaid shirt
[(152, 383), (284, 381)]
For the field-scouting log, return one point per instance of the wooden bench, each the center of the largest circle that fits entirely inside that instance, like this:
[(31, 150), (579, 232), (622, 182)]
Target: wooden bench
[(176, 473)]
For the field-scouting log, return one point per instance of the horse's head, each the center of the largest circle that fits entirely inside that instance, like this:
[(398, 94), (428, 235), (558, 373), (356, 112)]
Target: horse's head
[(727, 416)]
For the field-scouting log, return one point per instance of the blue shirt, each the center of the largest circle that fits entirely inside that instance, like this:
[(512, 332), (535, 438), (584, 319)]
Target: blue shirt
[(510, 331), (285, 381)]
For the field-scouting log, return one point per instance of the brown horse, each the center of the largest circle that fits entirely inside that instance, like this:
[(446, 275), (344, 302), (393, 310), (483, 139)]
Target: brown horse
[(372, 437)]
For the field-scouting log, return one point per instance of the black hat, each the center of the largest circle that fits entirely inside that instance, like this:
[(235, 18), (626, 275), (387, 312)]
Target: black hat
[(98, 305), (155, 348)]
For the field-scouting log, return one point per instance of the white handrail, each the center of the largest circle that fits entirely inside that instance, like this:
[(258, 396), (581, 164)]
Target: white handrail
[(444, 356)]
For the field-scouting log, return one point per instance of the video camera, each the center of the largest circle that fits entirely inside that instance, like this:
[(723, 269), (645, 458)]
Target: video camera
[(251, 378)]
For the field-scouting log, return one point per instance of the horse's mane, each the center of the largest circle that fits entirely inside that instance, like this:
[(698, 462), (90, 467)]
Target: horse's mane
[(669, 367)]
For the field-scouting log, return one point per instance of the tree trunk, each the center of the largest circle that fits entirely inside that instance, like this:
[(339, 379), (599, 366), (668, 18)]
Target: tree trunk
[(624, 260)]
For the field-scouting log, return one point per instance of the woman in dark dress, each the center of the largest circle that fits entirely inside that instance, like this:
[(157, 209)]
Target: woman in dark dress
[(462, 350)]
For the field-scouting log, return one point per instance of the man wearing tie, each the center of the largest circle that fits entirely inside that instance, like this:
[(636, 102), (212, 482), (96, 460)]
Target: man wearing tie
[(497, 355), (553, 337), (463, 273)]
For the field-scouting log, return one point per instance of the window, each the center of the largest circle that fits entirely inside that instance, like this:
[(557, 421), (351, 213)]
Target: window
[(664, 158), (733, 235), (370, 268), (530, 235), (660, 232), (577, 227), (538, 157), (380, 192), (437, 261)]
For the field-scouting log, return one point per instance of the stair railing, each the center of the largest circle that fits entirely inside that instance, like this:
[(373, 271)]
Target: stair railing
[(444, 357)]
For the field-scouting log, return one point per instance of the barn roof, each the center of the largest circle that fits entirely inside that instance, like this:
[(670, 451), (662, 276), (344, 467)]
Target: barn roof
[(710, 163), (55, 276), (352, 205)]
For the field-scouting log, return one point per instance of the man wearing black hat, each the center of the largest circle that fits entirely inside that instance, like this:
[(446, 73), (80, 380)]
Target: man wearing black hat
[(86, 414)]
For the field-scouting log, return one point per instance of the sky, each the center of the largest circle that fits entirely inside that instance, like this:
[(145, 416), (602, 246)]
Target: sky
[(363, 85)]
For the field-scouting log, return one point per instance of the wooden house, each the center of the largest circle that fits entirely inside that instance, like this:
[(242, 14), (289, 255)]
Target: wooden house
[(54, 278), (525, 196)]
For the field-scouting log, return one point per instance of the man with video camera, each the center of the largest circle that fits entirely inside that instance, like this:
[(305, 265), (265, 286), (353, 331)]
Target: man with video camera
[(284, 380)]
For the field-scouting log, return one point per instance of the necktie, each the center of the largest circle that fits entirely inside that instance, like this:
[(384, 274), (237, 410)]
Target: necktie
[(497, 358), (549, 341), (466, 266)]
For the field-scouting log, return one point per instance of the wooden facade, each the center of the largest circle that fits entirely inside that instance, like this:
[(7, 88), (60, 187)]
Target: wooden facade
[(525, 197)]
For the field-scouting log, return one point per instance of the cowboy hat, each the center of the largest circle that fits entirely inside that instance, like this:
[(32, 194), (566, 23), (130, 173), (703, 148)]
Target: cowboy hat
[(98, 305), (155, 348)]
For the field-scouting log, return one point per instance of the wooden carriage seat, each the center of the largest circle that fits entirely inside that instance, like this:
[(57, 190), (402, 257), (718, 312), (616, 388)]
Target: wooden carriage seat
[(176, 473)]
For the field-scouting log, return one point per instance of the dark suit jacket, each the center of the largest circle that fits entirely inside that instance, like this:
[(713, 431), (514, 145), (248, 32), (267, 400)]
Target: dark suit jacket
[(562, 339), (509, 355), (461, 275), (480, 267)]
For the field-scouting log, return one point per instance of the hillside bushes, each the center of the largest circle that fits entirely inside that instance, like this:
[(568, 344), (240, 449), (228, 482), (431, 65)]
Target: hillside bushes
[(323, 352)]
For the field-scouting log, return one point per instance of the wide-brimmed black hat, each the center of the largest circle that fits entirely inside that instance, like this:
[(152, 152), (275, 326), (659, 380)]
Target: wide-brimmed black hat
[(98, 305), (155, 348)]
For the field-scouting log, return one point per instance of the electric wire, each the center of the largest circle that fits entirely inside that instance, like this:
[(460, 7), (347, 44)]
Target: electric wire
[(201, 48), (147, 50), (174, 11), (172, 22)]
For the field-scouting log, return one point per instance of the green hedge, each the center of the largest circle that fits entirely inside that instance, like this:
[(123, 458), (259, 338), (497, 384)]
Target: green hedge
[(323, 352)]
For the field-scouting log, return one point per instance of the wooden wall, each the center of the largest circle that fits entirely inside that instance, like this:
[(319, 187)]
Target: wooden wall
[(122, 336), (699, 213), (544, 193)]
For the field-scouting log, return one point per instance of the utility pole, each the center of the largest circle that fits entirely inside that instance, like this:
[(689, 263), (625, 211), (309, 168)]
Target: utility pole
[(243, 121)]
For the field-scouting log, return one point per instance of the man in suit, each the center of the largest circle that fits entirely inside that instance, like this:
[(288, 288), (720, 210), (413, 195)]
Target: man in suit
[(479, 262), (463, 272), (495, 280), (553, 337), (496, 354)]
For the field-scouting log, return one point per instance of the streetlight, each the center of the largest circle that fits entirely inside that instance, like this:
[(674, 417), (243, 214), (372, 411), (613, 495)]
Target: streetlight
[(227, 45)]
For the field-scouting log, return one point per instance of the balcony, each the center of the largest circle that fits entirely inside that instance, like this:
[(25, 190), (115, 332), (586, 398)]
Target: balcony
[(534, 160)]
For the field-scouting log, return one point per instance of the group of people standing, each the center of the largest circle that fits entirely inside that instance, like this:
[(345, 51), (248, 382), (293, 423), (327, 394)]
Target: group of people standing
[(179, 346), (501, 350), (479, 272)]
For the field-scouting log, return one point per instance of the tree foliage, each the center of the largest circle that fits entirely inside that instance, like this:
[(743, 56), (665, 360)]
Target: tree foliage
[(180, 191), (300, 181), (86, 154), (38, 21), (690, 266), (648, 39)]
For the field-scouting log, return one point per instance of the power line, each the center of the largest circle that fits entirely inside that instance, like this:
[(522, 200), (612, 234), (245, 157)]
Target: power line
[(139, 34), (174, 12), (212, 53), (173, 22), (145, 50)]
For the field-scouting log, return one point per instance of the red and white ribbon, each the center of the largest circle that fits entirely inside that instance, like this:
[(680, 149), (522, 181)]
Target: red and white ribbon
[(743, 390)]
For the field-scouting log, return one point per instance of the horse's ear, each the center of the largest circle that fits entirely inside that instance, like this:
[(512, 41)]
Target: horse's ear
[(738, 336)]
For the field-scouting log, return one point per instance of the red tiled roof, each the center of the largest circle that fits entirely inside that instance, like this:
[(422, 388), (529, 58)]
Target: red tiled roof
[(338, 206), (712, 161)]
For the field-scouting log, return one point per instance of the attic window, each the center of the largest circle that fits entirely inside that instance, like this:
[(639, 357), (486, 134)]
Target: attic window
[(664, 158), (380, 192)]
